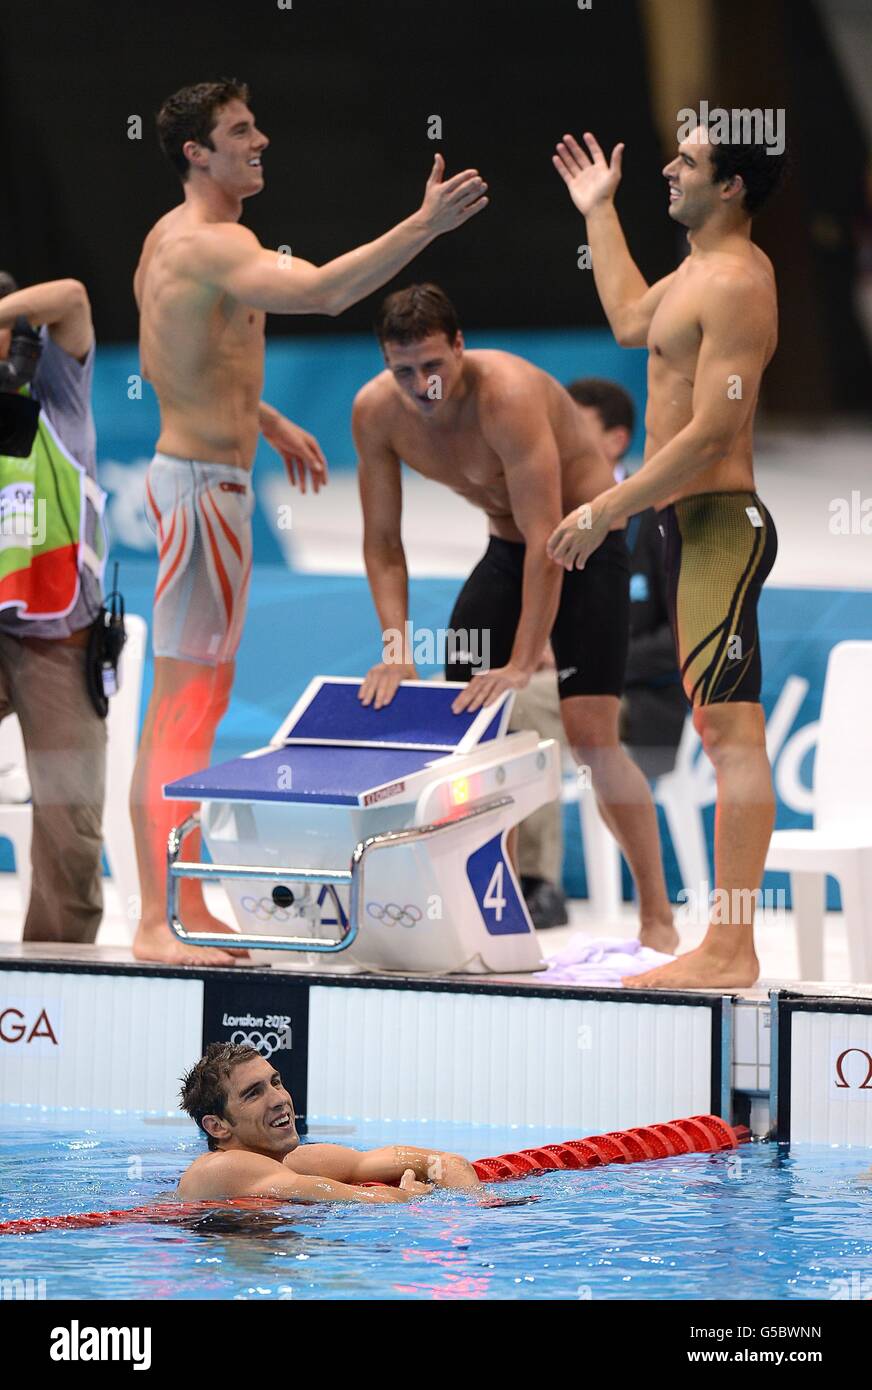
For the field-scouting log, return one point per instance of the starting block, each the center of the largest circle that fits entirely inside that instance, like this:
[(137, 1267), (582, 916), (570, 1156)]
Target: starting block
[(380, 834)]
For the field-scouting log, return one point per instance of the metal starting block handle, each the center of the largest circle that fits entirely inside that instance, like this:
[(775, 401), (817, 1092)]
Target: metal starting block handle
[(332, 878)]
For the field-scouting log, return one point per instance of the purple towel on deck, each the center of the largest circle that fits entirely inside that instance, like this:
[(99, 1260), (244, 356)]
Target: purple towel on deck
[(599, 961)]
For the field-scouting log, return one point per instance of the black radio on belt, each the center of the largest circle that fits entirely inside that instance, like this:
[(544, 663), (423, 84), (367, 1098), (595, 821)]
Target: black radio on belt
[(19, 414), (105, 645)]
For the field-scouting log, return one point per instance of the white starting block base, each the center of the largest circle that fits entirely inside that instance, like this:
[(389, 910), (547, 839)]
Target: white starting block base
[(442, 898)]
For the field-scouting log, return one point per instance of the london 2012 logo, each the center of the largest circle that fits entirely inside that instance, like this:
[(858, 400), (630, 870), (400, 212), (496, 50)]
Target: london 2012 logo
[(269, 1034)]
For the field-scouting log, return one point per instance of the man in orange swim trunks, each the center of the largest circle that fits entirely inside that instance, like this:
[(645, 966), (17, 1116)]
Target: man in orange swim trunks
[(204, 285)]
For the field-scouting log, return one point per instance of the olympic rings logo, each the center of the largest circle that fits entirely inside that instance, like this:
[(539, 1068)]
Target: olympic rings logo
[(264, 1043), (265, 910), (393, 915)]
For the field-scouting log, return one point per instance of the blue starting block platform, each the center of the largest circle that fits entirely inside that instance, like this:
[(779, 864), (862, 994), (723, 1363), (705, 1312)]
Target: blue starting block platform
[(334, 750), (416, 797)]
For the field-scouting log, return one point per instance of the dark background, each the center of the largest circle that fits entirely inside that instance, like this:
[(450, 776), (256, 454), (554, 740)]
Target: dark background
[(344, 89)]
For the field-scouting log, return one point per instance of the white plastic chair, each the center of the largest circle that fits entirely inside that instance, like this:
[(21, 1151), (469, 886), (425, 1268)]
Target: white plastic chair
[(683, 793), (122, 729), (602, 858), (15, 817), (841, 841)]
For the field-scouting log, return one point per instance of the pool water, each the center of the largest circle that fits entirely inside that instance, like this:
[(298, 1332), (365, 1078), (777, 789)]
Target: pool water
[(755, 1223)]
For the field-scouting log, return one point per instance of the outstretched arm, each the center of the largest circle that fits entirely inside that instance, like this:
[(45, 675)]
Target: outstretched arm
[(233, 260), (62, 304), (629, 302)]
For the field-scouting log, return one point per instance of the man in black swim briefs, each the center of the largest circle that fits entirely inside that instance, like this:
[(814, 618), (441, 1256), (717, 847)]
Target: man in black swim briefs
[(508, 438)]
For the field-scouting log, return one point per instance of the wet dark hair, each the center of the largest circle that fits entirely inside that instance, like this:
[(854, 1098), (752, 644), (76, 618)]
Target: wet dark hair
[(204, 1087), (8, 284), (409, 315), (760, 170), (613, 404), (191, 114)]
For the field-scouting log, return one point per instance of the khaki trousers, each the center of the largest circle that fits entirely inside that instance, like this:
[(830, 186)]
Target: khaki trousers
[(43, 682)]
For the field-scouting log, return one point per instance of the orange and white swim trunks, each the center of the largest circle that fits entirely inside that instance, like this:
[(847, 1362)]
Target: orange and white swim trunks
[(201, 515)]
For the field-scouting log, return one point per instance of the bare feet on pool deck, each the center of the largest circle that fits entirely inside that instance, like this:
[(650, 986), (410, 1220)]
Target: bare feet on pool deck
[(158, 943), (701, 969), (659, 936)]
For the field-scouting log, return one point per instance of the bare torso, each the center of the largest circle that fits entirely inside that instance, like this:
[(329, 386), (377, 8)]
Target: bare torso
[(453, 450), (202, 351), (673, 346)]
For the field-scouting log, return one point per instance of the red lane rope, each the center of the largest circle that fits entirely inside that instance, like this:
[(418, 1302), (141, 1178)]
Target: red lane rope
[(698, 1134)]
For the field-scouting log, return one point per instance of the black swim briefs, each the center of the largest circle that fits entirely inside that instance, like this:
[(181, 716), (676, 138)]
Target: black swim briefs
[(590, 633)]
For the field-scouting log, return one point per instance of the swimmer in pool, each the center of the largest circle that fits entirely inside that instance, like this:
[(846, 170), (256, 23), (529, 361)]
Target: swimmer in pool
[(240, 1103)]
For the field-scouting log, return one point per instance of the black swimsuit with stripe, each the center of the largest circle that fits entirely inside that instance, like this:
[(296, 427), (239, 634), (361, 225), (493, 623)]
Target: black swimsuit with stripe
[(720, 548)]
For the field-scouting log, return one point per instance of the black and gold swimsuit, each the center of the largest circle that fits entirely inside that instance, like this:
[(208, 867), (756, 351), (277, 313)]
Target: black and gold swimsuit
[(720, 548)]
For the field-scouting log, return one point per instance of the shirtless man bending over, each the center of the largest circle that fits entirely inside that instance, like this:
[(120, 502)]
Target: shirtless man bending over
[(204, 285), (710, 328), (511, 440), (240, 1103)]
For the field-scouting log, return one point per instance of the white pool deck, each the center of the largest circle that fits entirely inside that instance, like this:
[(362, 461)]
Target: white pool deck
[(776, 945)]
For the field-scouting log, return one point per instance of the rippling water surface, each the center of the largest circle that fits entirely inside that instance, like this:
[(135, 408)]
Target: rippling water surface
[(751, 1224)]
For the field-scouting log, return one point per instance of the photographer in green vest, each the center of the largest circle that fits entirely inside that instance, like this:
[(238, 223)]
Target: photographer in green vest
[(52, 555)]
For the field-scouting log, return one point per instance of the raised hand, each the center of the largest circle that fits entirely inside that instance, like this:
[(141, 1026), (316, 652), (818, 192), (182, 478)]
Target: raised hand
[(588, 177), (448, 203)]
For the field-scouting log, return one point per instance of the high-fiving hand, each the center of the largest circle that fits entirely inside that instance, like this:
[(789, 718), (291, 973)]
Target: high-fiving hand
[(588, 177), (448, 203)]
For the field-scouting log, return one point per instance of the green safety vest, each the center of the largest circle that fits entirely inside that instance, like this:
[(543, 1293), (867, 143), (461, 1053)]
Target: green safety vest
[(51, 527)]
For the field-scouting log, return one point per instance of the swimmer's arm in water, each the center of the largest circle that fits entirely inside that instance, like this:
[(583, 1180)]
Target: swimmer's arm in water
[(280, 283), (735, 332), (241, 1174), (62, 304), (383, 1165), (300, 451), (629, 302), (381, 497), (514, 422)]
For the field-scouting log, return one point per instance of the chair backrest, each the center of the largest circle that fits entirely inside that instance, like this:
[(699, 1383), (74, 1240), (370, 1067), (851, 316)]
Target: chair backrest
[(11, 746), (122, 723), (843, 762)]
